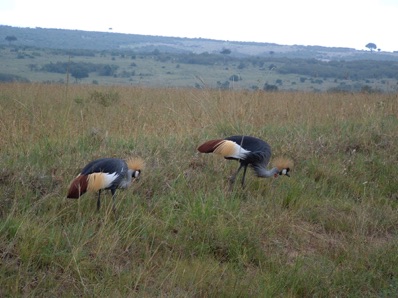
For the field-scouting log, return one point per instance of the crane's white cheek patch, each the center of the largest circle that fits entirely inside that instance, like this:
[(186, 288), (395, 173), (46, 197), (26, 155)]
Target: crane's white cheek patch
[(136, 174), (284, 171)]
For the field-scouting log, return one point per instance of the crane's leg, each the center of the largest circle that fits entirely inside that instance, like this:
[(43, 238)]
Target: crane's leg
[(233, 177), (99, 200), (113, 191), (244, 175)]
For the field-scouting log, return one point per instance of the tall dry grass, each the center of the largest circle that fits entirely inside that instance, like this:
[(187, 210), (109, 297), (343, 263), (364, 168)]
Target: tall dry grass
[(329, 230)]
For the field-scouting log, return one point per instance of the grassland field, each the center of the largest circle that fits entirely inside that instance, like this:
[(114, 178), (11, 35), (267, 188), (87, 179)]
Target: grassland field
[(150, 71), (330, 230)]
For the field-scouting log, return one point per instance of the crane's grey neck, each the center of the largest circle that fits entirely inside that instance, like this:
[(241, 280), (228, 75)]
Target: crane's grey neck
[(127, 179), (263, 172)]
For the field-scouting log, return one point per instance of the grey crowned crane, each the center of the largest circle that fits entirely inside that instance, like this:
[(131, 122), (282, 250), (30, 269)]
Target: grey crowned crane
[(105, 173), (249, 151)]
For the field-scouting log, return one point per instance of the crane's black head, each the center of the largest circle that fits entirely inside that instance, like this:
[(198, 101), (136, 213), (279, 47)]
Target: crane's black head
[(285, 172)]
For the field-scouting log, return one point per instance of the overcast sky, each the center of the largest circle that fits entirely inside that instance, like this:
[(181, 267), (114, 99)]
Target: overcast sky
[(337, 23)]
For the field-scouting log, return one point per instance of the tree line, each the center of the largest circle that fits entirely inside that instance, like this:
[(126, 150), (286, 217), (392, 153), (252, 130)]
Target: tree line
[(80, 70)]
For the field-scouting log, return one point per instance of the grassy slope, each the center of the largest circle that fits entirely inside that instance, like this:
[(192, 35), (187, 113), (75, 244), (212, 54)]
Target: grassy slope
[(329, 230)]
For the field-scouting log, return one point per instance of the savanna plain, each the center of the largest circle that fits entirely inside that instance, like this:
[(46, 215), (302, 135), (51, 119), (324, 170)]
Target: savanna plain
[(330, 230)]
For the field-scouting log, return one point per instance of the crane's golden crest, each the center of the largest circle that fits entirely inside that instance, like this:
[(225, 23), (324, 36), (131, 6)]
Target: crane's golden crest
[(283, 163), (226, 148), (136, 163)]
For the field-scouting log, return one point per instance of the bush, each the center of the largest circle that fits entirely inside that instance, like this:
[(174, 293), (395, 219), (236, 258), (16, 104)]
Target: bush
[(235, 78), (269, 87), (105, 99)]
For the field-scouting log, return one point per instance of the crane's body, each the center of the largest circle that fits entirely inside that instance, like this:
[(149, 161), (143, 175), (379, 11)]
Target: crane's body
[(105, 173), (249, 151)]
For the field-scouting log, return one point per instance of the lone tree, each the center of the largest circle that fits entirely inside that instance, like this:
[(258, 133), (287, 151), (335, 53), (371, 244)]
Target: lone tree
[(225, 52), (371, 46), (79, 73), (10, 38)]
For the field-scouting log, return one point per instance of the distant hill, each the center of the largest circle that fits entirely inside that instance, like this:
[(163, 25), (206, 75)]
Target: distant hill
[(77, 39), (106, 58)]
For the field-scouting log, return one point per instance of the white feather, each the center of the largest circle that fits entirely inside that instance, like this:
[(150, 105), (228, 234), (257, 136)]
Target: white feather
[(230, 149), (239, 152), (109, 178)]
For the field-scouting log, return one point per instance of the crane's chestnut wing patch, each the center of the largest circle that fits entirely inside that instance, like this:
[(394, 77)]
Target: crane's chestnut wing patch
[(209, 146), (78, 187)]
